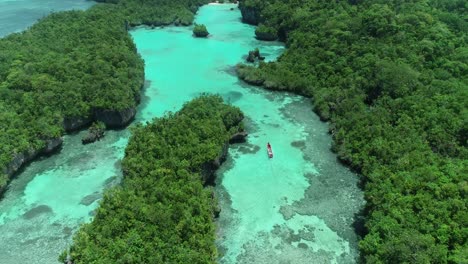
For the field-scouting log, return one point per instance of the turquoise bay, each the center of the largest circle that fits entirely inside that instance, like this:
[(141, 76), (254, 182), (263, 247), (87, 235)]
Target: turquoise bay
[(295, 208), (298, 207)]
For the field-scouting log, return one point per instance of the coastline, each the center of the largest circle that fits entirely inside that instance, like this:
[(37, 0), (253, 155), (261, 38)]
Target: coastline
[(113, 119)]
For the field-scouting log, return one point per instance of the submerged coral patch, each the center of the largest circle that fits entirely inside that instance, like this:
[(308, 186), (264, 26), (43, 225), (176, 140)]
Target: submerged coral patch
[(300, 144), (248, 148), (36, 211), (89, 199)]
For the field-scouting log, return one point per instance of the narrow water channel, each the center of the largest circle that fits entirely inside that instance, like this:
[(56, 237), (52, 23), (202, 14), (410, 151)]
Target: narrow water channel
[(295, 208)]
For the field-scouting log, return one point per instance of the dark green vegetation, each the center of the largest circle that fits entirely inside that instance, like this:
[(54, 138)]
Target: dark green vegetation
[(72, 68), (162, 213), (158, 12), (68, 66), (95, 132), (199, 30), (391, 76), (263, 32)]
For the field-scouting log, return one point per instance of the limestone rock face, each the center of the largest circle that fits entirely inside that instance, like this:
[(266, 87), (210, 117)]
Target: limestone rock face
[(250, 14), (74, 123), (115, 118), (19, 159), (263, 32), (209, 167), (238, 137), (91, 137), (95, 132), (52, 145), (253, 55)]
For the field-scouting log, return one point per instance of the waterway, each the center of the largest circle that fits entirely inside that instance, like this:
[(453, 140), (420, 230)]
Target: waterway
[(298, 207), (17, 15)]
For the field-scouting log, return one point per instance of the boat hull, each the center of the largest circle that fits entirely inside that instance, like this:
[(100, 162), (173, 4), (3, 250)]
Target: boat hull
[(269, 151)]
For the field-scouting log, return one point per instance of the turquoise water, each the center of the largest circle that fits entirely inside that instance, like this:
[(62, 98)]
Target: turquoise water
[(51, 197), (17, 15), (295, 208)]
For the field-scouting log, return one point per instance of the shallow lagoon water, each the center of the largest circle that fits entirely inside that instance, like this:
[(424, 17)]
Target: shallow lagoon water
[(295, 208), (17, 15), (52, 196)]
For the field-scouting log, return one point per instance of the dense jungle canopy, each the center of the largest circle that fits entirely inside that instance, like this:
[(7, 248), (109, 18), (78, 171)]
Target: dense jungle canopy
[(392, 79), (70, 65), (162, 213)]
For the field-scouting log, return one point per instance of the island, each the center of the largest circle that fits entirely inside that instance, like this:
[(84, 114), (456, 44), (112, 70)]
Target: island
[(200, 31), (95, 132), (388, 76), (166, 196), (392, 83)]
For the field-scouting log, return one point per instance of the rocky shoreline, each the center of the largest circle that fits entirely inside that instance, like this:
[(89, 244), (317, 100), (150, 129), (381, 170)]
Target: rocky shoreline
[(111, 118), (19, 159), (209, 168), (250, 14)]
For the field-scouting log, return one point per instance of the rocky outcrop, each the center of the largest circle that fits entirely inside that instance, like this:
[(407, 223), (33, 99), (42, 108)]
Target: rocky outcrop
[(2, 190), (200, 31), (20, 159), (91, 137), (115, 118), (52, 145), (216, 206), (238, 137), (263, 32), (209, 167), (95, 132), (267, 36), (250, 14), (253, 55), (75, 122)]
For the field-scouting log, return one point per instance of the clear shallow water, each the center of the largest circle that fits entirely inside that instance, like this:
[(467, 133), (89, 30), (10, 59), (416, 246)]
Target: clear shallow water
[(17, 15), (50, 198), (295, 208)]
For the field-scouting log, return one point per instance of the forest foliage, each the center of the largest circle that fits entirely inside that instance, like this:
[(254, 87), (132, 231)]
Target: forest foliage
[(71, 63), (158, 12), (391, 76), (161, 213), (392, 79), (199, 30)]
